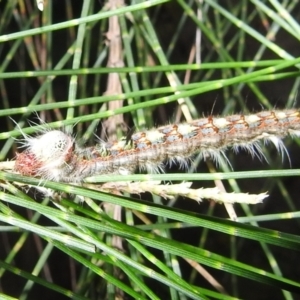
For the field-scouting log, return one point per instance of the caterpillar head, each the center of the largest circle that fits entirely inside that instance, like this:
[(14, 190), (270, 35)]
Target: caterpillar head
[(52, 147), (47, 155)]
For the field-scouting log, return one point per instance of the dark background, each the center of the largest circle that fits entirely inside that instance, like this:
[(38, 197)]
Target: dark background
[(19, 91)]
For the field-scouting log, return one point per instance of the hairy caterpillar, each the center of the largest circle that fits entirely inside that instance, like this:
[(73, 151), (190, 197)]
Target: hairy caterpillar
[(54, 155)]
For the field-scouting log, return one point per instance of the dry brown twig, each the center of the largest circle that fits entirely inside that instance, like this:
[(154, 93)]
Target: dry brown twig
[(115, 60)]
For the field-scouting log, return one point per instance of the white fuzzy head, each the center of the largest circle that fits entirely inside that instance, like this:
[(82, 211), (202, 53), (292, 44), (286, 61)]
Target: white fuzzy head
[(50, 146), (49, 155), (53, 149)]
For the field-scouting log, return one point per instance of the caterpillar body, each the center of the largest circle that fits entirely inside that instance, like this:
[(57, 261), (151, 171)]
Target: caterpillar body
[(54, 155)]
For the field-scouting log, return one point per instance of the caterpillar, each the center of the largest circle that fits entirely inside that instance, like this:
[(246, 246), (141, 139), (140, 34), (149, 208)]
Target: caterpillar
[(55, 155)]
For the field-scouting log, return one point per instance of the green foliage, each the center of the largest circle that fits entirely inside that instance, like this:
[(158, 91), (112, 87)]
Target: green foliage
[(181, 60)]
